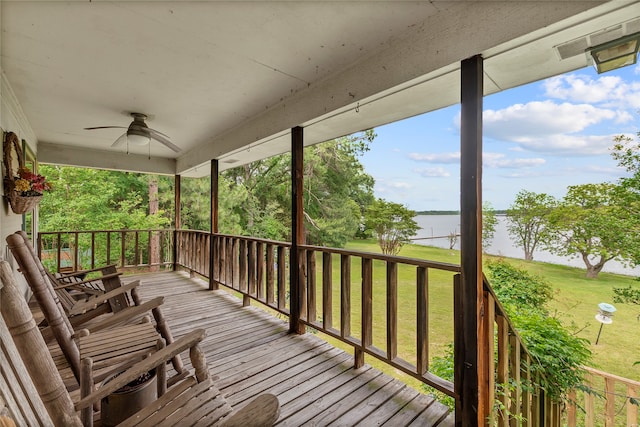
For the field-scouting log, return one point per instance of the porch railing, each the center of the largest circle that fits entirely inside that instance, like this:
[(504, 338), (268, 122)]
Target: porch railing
[(82, 250), (351, 296), (605, 400)]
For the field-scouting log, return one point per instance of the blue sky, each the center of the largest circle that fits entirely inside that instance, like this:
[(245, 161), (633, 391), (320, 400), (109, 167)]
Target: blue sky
[(541, 137)]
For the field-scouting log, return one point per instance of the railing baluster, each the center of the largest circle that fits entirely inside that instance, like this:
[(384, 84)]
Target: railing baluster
[(242, 269), (422, 330), (259, 271), (123, 253), (367, 310), (76, 252), (503, 368), (489, 326), (515, 376), (345, 296), (270, 274), (282, 271), (610, 402), (311, 286), (93, 250), (58, 252), (327, 291), (632, 410), (252, 268), (589, 406), (392, 310)]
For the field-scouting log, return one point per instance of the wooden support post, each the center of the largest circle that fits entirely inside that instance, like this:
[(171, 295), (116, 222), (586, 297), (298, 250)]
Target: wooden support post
[(213, 284), (470, 352), (176, 192), (297, 231)]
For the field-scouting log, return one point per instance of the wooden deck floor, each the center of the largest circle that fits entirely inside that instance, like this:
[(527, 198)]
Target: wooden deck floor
[(251, 352)]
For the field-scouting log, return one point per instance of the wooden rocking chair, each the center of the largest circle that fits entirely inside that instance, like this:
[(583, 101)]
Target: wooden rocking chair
[(123, 328), (194, 400)]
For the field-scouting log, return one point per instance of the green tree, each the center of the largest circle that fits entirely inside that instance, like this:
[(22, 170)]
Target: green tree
[(392, 223), (591, 222), (489, 222), (335, 194), (527, 219), (92, 199), (626, 151)]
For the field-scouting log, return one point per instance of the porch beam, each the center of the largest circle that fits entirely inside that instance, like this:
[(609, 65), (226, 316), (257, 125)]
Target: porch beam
[(213, 285), (470, 381), (296, 266)]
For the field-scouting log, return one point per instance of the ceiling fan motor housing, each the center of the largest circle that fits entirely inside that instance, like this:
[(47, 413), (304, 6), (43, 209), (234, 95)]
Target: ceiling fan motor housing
[(138, 131)]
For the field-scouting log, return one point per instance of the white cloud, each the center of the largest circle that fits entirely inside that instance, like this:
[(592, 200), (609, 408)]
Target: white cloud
[(399, 185), (452, 157), (610, 91), (521, 121), (499, 160), (433, 172), (574, 145)]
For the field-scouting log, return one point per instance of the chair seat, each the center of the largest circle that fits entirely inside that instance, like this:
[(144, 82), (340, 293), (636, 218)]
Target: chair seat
[(111, 346)]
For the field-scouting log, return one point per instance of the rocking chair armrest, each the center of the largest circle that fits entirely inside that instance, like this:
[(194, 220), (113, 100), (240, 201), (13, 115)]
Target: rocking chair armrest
[(93, 302), (127, 314), (92, 270), (161, 356), (82, 282)]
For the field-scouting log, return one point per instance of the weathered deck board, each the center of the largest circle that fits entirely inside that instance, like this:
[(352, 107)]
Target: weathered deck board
[(251, 352)]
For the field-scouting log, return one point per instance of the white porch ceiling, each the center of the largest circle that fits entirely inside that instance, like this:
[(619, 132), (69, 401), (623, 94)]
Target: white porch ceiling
[(227, 80)]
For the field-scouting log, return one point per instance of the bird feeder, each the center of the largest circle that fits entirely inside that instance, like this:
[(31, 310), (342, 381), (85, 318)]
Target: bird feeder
[(604, 316)]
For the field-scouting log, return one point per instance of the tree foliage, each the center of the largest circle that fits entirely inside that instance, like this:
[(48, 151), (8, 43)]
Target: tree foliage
[(91, 199), (557, 353), (591, 222), (489, 223), (527, 220), (392, 223), (560, 353), (336, 192)]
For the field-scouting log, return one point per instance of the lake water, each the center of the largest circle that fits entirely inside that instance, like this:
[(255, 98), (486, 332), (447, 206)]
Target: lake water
[(436, 228)]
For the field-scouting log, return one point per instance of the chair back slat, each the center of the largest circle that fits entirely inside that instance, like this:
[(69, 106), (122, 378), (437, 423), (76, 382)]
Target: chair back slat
[(44, 295)]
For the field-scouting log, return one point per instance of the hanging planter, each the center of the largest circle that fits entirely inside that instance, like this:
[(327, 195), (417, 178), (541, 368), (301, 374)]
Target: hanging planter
[(22, 188)]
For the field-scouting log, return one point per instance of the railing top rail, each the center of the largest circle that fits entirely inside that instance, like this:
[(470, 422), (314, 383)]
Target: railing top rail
[(128, 230), (603, 374), (255, 239), (403, 260)]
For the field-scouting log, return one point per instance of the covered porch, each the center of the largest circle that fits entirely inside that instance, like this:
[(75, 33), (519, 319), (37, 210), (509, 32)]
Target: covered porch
[(234, 82), (251, 352)]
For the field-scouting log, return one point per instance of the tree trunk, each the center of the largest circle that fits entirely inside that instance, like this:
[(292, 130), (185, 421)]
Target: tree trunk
[(593, 269), (154, 238)]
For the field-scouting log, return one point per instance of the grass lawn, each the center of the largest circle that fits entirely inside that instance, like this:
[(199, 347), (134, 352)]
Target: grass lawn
[(575, 303)]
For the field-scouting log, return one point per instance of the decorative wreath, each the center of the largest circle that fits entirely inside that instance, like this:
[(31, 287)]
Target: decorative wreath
[(19, 203)]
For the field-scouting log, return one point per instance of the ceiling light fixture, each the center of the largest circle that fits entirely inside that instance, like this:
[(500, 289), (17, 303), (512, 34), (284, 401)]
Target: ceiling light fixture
[(136, 137), (616, 53)]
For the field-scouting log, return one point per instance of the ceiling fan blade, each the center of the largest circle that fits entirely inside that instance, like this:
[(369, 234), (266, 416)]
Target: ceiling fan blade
[(158, 132), (105, 127), (163, 140), (120, 140)]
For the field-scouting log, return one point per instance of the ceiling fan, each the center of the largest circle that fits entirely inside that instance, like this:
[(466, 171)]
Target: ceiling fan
[(138, 133)]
